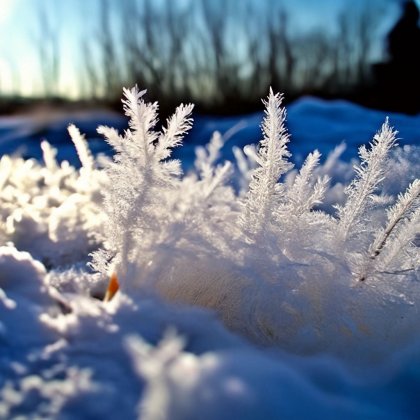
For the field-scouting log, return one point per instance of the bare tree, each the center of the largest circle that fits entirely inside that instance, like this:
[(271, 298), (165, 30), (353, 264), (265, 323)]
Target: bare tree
[(92, 86), (109, 58), (343, 50), (281, 55), (197, 51), (48, 45), (366, 24)]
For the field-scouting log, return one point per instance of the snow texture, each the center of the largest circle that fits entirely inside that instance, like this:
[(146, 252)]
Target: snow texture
[(248, 289)]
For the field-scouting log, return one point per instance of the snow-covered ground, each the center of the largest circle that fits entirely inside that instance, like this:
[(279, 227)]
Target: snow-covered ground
[(313, 124), (240, 297)]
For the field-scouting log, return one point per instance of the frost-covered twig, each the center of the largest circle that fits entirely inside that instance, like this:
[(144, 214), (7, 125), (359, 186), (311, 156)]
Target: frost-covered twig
[(172, 135), (265, 191), (49, 156), (82, 149), (207, 156), (138, 178), (303, 195), (369, 174), (407, 205)]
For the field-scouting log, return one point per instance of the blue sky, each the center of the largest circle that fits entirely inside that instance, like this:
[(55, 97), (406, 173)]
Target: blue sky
[(20, 34)]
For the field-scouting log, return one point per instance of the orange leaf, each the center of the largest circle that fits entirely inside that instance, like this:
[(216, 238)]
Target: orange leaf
[(113, 287)]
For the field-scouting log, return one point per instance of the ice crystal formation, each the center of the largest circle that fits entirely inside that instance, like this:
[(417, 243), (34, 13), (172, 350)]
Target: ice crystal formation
[(266, 259), (248, 240)]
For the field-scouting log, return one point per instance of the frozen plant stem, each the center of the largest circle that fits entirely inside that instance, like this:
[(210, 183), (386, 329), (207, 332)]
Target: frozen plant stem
[(405, 205), (140, 176), (369, 174), (265, 191)]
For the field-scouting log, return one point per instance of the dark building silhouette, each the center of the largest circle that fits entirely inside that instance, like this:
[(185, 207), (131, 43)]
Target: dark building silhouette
[(405, 35), (398, 79)]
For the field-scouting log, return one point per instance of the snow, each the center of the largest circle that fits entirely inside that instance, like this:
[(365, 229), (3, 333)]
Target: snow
[(22, 134), (230, 328), (312, 122)]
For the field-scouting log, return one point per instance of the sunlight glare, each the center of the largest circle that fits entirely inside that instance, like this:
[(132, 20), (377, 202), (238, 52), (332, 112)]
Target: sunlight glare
[(6, 7)]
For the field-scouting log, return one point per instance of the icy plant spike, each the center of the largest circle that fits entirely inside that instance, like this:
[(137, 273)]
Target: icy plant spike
[(82, 148), (264, 190), (406, 205), (303, 195), (369, 174), (139, 177)]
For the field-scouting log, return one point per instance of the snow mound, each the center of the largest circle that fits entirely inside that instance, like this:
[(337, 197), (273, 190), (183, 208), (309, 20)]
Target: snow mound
[(247, 288)]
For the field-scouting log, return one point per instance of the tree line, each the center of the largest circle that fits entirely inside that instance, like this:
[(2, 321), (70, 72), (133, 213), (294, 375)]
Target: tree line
[(215, 53)]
